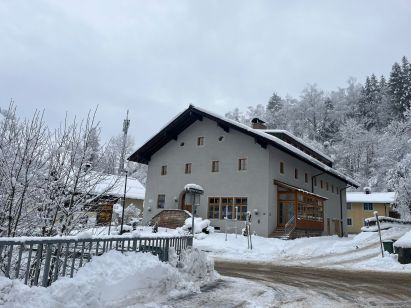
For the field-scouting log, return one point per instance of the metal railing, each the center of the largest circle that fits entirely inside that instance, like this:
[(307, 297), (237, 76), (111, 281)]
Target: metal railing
[(41, 261), (289, 226)]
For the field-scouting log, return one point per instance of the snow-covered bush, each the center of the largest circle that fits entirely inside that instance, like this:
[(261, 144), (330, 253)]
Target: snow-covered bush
[(131, 214), (199, 225)]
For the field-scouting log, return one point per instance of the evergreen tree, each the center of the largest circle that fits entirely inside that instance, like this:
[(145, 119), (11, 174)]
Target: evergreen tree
[(329, 126), (369, 103), (405, 100), (396, 90), (274, 106)]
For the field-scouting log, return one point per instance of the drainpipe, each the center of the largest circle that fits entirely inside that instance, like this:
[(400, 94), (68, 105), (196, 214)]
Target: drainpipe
[(312, 181), (341, 210)]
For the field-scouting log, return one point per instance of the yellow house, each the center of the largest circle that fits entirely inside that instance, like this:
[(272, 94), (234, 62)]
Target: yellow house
[(361, 205)]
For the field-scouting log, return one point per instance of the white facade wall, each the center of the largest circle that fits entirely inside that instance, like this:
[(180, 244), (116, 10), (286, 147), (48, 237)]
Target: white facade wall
[(256, 183), (253, 183)]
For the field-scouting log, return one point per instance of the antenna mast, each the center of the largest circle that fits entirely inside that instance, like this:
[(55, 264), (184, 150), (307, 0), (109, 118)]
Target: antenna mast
[(126, 124)]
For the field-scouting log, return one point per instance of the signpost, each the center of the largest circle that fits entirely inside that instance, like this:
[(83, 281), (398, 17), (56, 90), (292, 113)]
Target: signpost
[(194, 191), (379, 232)]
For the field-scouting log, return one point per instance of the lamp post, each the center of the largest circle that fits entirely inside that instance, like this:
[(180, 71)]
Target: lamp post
[(124, 203)]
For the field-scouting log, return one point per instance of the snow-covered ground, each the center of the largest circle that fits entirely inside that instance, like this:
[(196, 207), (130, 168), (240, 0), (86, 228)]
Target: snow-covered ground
[(360, 252), (116, 280)]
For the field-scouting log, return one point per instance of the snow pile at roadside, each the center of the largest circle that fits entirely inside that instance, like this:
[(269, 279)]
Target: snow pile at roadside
[(404, 241), (115, 280), (388, 263)]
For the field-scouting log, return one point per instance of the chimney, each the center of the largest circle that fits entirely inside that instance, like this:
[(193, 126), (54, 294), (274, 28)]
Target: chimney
[(367, 190), (257, 123)]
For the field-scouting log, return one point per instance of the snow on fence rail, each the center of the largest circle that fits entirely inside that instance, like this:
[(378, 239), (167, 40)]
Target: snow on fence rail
[(41, 261)]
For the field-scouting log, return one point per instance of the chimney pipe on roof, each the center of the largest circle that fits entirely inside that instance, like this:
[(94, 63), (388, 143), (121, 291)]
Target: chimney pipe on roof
[(367, 190), (257, 123)]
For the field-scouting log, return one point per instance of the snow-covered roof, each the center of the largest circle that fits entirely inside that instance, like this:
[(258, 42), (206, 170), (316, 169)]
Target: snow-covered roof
[(285, 132), (113, 185), (404, 241), (374, 197), (181, 122)]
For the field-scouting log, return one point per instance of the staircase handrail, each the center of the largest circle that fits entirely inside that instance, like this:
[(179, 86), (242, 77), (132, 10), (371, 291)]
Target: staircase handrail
[(289, 226)]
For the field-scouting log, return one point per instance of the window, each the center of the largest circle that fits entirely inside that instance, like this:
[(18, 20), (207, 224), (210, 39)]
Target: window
[(163, 170), (214, 208), (281, 167), (161, 200), (218, 208), (242, 164), (227, 208), (326, 186), (349, 221), (296, 173), (306, 178), (348, 206), (321, 183), (315, 181), (221, 138), (200, 141), (368, 207), (241, 205), (181, 144), (337, 190), (215, 166), (332, 188), (187, 169)]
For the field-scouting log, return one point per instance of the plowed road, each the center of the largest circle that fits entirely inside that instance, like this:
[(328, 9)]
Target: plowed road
[(356, 288)]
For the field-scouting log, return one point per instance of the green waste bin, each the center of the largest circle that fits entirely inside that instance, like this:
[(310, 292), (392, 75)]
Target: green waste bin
[(388, 246)]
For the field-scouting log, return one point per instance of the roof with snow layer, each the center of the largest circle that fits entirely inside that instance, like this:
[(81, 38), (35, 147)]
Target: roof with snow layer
[(113, 185), (184, 119), (373, 197)]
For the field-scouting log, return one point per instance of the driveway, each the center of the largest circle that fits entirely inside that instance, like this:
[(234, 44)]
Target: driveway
[(346, 288)]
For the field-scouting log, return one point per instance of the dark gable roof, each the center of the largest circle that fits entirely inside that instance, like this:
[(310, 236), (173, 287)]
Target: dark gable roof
[(192, 114)]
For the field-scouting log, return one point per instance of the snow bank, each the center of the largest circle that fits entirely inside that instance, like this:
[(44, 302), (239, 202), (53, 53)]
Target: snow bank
[(114, 280), (404, 241), (325, 251)]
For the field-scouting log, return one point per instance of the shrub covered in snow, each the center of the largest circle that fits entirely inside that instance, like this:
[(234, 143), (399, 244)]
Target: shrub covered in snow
[(200, 225)]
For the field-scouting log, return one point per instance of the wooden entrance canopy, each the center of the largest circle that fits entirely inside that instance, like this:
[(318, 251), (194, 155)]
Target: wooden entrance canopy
[(308, 208)]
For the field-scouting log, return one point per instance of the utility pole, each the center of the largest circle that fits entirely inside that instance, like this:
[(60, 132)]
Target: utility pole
[(126, 125)]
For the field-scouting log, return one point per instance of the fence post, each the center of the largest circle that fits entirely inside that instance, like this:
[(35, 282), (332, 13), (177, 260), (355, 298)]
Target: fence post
[(166, 248), (47, 266)]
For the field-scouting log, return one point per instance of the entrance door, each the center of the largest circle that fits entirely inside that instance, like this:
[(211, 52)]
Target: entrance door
[(337, 228), (286, 212), (183, 203)]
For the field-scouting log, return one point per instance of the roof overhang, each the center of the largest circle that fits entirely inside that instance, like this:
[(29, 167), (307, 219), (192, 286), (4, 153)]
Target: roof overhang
[(193, 114)]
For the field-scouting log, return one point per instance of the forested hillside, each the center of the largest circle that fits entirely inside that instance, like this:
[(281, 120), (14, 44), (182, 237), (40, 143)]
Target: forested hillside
[(365, 127)]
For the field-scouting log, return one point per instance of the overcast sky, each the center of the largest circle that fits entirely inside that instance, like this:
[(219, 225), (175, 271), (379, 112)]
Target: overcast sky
[(157, 57)]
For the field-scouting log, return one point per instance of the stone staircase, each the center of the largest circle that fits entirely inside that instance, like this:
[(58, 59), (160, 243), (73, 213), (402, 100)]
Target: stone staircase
[(170, 219), (296, 233)]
